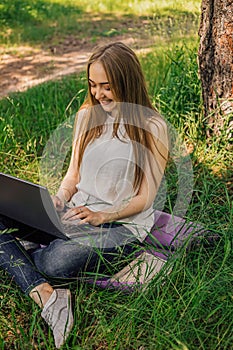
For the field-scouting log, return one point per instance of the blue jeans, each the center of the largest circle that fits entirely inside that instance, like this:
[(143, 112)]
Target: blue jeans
[(60, 259)]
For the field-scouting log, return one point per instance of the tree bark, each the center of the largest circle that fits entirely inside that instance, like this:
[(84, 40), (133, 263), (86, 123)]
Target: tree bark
[(216, 63)]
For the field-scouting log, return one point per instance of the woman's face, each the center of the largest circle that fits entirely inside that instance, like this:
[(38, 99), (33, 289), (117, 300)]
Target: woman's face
[(100, 87)]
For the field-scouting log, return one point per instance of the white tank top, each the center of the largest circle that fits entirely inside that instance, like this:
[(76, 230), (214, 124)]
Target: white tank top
[(107, 177)]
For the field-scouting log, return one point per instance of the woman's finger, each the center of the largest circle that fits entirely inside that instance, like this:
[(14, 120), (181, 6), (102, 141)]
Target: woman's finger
[(74, 213)]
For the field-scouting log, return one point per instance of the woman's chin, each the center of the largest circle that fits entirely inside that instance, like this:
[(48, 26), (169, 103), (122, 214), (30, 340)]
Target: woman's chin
[(108, 107)]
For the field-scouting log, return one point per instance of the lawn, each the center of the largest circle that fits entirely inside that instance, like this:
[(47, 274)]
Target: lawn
[(193, 307), (42, 22)]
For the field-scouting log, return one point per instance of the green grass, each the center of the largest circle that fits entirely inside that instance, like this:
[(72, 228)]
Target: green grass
[(193, 309), (34, 22)]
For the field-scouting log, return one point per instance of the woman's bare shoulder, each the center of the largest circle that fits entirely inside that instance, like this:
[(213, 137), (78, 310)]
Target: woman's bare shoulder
[(79, 121), (82, 112), (157, 125)]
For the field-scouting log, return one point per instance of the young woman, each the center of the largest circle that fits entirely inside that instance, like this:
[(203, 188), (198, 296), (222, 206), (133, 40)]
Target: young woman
[(117, 163)]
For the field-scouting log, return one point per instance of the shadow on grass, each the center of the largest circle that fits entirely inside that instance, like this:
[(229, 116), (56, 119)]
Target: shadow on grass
[(17, 12), (33, 20)]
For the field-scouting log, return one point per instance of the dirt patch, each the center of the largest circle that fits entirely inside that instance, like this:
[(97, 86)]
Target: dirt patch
[(24, 67)]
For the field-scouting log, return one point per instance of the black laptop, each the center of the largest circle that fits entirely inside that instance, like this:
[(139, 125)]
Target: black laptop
[(31, 204)]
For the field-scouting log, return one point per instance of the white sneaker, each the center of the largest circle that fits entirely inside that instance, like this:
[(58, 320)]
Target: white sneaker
[(57, 312)]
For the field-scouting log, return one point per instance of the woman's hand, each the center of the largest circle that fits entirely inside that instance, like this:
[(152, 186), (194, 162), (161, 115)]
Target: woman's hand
[(86, 216), (58, 203)]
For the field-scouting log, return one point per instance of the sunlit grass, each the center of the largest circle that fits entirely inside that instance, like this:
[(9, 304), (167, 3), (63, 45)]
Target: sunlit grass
[(137, 7), (35, 21)]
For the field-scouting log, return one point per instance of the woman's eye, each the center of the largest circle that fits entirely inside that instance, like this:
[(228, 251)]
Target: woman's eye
[(107, 88)]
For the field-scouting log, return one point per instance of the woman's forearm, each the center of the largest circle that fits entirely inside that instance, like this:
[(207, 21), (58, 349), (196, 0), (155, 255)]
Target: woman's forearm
[(126, 209), (67, 188)]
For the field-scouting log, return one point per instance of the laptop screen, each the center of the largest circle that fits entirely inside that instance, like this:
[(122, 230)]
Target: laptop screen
[(30, 204)]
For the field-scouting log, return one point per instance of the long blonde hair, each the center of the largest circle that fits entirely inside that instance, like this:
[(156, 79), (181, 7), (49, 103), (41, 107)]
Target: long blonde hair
[(123, 71)]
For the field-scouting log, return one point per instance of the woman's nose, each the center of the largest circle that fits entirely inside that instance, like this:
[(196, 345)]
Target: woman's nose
[(98, 92)]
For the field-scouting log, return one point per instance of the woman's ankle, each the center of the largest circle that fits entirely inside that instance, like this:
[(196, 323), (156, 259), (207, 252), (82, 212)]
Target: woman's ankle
[(41, 294)]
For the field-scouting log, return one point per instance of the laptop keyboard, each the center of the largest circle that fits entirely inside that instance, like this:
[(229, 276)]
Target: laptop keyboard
[(72, 229)]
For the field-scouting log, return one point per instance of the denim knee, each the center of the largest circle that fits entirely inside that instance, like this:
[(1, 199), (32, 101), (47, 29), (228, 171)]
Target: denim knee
[(63, 259)]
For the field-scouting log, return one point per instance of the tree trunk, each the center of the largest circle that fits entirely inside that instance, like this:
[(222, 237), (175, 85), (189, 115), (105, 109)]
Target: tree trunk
[(216, 63)]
